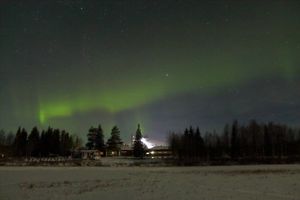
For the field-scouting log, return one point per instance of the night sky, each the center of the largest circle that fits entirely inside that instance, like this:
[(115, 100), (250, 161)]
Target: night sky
[(165, 64)]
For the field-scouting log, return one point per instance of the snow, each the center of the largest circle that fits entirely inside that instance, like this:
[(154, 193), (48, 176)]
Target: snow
[(268, 182)]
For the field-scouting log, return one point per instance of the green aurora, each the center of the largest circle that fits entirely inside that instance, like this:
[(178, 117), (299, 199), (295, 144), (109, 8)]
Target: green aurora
[(73, 64), (123, 97)]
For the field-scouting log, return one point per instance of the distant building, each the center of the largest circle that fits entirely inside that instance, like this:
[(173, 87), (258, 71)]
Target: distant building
[(126, 150), (87, 154), (111, 152), (159, 152)]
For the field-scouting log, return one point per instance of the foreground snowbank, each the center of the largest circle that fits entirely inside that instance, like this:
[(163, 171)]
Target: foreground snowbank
[(224, 182)]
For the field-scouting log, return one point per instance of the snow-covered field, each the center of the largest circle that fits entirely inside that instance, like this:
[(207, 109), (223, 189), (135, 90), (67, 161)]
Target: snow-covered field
[(267, 182)]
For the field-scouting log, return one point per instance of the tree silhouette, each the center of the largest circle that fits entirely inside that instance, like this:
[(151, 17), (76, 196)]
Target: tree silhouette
[(34, 142), (234, 140), (50, 142), (20, 142), (138, 146), (95, 138), (253, 142), (2, 137), (66, 143), (99, 139), (114, 143), (91, 137)]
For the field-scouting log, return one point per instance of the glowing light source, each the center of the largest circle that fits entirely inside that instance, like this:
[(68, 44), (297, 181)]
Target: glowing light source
[(148, 144)]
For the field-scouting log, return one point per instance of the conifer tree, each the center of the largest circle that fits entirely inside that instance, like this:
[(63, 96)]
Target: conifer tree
[(91, 137), (17, 143), (33, 142), (234, 140), (55, 142), (114, 142), (99, 139), (2, 137), (95, 138), (138, 147), (66, 143), (20, 142)]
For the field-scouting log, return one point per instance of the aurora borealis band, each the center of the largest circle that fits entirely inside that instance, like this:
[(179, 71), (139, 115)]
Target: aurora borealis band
[(164, 64)]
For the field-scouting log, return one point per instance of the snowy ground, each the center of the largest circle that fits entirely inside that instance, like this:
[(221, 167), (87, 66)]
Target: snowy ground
[(227, 182)]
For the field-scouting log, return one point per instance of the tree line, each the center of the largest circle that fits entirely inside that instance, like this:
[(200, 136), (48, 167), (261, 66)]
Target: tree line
[(252, 142), (56, 142), (46, 143), (95, 140)]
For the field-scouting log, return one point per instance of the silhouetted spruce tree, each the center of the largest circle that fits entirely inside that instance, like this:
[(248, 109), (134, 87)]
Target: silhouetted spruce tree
[(185, 143), (63, 143), (186, 132), (66, 143), (138, 146), (226, 141), (174, 141), (199, 144), (208, 145), (95, 138), (245, 149), (55, 143), (267, 142), (17, 143), (2, 137), (21, 142), (190, 143), (34, 142), (254, 132), (114, 143), (44, 144), (99, 139), (91, 137), (234, 140), (49, 141), (292, 142), (24, 142)]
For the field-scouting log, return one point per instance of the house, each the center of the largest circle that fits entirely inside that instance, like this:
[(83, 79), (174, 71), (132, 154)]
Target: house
[(87, 154), (126, 150), (159, 152)]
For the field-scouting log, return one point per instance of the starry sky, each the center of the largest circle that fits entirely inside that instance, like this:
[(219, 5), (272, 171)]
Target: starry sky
[(166, 64)]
